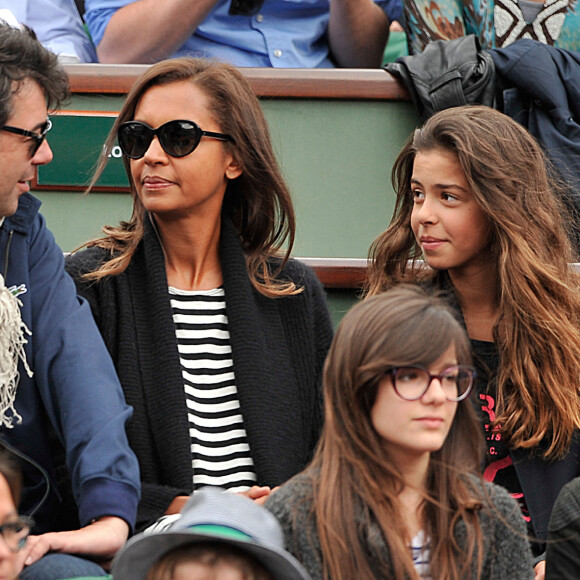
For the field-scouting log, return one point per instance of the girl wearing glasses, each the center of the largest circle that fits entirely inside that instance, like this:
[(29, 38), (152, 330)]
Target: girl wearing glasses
[(392, 490), (478, 216), (218, 337)]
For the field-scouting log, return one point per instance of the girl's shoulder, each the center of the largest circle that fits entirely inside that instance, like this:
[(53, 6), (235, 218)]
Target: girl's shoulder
[(296, 492), (86, 260), (301, 484), (495, 499), (293, 270)]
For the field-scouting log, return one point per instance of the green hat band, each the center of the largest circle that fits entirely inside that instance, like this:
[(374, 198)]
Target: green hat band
[(221, 531)]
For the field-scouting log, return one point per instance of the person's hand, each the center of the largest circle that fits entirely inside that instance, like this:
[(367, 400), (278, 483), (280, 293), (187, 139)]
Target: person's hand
[(98, 541), (540, 570), (176, 505), (20, 557), (259, 493)]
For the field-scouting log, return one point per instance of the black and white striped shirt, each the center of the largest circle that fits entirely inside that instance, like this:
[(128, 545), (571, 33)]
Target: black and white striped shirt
[(219, 446), (420, 551)]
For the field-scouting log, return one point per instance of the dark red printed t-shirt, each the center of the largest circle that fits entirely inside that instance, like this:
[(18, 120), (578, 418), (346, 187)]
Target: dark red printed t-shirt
[(498, 466)]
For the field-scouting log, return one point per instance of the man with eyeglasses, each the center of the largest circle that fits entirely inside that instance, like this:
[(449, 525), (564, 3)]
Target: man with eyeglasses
[(59, 393)]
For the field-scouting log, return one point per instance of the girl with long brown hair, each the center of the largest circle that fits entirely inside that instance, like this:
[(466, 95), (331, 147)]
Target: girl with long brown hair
[(392, 490), (479, 215), (218, 337)]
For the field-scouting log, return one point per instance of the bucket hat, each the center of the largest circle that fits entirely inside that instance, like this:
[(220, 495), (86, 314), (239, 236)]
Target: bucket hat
[(213, 515)]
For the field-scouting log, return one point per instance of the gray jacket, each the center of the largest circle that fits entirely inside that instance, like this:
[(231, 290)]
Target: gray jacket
[(507, 551)]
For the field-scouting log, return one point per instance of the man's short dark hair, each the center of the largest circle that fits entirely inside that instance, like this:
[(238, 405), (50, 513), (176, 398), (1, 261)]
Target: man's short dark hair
[(22, 57)]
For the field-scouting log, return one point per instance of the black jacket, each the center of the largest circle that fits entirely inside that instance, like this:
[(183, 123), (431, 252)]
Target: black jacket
[(539, 86), (278, 350)]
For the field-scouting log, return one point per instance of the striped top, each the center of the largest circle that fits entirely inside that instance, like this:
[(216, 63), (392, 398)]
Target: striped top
[(219, 446), (420, 553)]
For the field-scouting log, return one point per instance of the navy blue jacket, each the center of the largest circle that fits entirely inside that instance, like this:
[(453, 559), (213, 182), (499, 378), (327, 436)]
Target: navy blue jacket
[(541, 90), (74, 394)]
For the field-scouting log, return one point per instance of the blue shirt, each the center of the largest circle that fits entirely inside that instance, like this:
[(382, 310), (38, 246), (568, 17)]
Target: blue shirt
[(285, 33), (57, 24)]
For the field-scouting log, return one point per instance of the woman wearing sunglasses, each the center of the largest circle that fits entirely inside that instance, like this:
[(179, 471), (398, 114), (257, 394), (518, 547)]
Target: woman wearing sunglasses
[(392, 491), (218, 338)]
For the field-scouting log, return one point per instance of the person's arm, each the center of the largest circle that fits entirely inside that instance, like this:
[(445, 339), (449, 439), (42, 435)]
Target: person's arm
[(358, 31), (83, 399), (59, 27), (98, 541), (148, 31)]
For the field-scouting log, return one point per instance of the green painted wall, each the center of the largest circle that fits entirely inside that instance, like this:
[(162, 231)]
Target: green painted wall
[(336, 156), (339, 302)]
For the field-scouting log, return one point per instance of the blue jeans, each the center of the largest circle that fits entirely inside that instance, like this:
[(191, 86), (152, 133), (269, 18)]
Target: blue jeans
[(60, 566)]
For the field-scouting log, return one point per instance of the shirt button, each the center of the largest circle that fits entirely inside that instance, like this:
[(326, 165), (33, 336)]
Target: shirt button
[(260, 18), (277, 53)]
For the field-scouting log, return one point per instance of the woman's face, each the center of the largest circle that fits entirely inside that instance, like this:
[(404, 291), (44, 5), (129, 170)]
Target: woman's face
[(184, 186), (10, 562), (449, 225), (411, 430)]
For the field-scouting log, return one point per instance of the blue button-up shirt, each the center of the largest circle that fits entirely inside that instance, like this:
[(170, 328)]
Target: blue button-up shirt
[(284, 33), (57, 24)]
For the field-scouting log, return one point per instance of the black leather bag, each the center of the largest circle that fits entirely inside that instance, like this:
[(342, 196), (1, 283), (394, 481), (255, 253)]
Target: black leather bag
[(448, 73)]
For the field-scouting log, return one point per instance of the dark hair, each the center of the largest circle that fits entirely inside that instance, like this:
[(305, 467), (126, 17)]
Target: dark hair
[(258, 201), (23, 57), (211, 555), (358, 483), (538, 328), (10, 469)]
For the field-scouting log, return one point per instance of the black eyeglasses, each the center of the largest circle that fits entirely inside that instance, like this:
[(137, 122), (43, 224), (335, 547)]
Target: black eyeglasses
[(37, 138), (178, 138), (411, 383), (16, 531)]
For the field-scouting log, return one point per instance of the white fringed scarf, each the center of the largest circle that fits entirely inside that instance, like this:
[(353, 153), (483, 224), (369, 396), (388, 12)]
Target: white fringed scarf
[(13, 334)]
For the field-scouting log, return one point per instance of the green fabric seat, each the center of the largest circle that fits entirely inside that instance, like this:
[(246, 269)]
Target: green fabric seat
[(396, 46)]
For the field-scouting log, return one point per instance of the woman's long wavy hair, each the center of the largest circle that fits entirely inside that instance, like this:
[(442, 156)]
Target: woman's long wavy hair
[(258, 201), (538, 328), (358, 484)]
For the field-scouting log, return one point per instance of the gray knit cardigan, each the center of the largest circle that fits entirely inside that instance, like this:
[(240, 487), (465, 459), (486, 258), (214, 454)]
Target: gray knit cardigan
[(507, 553)]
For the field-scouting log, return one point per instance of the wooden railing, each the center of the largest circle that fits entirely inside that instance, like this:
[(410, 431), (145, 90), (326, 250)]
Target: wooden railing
[(363, 84), (347, 273)]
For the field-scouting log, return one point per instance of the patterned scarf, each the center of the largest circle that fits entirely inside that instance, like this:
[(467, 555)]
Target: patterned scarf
[(546, 27), (13, 333)]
